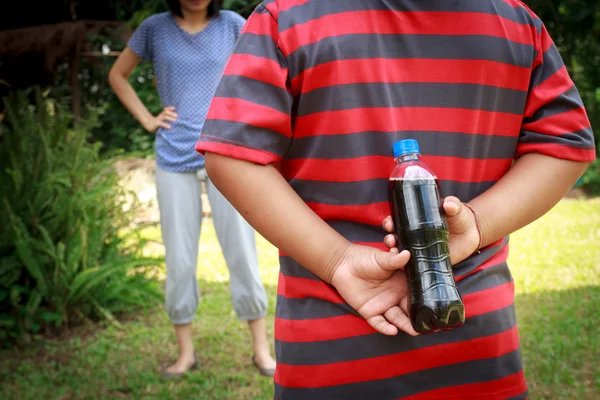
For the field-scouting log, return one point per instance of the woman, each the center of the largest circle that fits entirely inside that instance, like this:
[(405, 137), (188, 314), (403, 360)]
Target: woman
[(189, 47)]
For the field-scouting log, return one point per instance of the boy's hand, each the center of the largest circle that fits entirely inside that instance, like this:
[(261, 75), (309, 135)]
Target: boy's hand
[(372, 282), (464, 236)]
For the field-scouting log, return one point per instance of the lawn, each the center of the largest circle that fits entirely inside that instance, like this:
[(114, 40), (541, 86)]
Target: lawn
[(555, 263)]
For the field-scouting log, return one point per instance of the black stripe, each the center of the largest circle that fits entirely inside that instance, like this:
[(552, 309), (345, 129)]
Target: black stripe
[(259, 46), (583, 139), (373, 191), (551, 63), (261, 9), (409, 46), (355, 232), (320, 8), (377, 345), (250, 136), (522, 396), (412, 94), (489, 278), (467, 266), (265, 94), (477, 371), (362, 144), (289, 267), (567, 101), (311, 308)]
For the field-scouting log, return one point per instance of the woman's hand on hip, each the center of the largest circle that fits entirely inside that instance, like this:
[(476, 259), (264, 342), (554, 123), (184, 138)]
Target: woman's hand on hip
[(162, 120)]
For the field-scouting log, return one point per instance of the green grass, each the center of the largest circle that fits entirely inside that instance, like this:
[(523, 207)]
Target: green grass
[(555, 263), (556, 267)]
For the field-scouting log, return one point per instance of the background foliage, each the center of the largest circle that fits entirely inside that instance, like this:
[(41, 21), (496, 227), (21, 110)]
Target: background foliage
[(63, 253), (573, 24)]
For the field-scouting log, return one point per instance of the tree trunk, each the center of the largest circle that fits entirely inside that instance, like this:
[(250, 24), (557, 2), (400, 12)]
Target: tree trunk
[(74, 72)]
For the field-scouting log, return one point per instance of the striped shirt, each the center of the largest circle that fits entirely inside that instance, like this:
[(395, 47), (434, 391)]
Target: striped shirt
[(323, 88)]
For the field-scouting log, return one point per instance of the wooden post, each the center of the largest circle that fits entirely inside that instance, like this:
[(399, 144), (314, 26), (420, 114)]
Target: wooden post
[(75, 91)]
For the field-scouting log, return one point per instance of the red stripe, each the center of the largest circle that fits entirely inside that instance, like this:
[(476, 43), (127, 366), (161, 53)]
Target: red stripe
[(397, 364), (559, 124), (262, 24), (391, 119), (377, 245), (238, 110), (503, 388), (254, 67), (545, 92), (333, 328), (478, 72), (498, 258), (561, 151), (489, 300), (377, 167), (235, 151), (546, 40), (384, 22), (285, 5), (514, 3), (368, 214), (300, 288)]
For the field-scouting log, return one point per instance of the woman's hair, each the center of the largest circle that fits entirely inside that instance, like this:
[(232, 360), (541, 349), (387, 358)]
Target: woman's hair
[(213, 8)]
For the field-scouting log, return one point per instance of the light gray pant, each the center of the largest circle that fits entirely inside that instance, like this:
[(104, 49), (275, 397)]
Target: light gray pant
[(180, 206)]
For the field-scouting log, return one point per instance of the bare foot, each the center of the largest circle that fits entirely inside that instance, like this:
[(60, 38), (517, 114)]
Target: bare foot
[(265, 361), (181, 366)]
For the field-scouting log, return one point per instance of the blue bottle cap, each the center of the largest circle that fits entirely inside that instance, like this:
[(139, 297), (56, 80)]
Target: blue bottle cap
[(406, 146)]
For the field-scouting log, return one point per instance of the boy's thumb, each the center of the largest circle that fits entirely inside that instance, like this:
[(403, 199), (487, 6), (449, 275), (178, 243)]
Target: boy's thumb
[(392, 261)]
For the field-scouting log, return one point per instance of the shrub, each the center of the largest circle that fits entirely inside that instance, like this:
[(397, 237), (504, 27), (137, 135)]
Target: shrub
[(66, 252)]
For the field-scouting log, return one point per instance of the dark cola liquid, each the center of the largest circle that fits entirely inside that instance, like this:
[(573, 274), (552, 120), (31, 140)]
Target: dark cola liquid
[(435, 303)]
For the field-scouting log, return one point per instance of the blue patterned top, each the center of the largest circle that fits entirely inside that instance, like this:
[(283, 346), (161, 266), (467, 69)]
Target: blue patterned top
[(188, 68)]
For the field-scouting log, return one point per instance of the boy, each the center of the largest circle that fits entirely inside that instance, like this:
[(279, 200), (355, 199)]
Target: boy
[(323, 89)]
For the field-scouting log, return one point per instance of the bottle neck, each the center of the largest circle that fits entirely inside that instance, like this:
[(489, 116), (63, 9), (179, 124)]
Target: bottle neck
[(408, 157)]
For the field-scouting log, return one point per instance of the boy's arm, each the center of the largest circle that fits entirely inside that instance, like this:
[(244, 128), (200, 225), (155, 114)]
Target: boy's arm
[(366, 278), (534, 185), (266, 200)]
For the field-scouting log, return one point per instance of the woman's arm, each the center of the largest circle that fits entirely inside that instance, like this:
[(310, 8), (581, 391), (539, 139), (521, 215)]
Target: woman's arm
[(118, 78)]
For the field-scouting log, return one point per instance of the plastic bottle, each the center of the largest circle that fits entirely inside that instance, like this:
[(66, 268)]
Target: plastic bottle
[(421, 227)]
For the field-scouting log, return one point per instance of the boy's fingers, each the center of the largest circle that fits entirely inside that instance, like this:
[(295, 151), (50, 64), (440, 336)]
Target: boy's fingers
[(380, 324), (404, 305), (392, 261), (398, 318), (388, 224), (452, 206), (390, 241)]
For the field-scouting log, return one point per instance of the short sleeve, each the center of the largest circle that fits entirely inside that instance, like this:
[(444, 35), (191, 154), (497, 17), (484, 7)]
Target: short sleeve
[(238, 24), (250, 114), (555, 121), (141, 39)]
